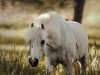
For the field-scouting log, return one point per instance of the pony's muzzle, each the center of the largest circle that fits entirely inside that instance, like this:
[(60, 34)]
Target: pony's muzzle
[(33, 62)]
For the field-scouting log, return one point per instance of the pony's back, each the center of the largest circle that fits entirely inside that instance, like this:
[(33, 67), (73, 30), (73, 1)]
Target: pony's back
[(81, 37)]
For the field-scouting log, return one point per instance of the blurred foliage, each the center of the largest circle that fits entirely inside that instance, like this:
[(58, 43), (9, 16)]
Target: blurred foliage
[(12, 40), (39, 3), (13, 26)]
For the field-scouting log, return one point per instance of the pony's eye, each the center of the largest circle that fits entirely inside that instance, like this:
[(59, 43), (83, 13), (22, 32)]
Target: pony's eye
[(42, 42)]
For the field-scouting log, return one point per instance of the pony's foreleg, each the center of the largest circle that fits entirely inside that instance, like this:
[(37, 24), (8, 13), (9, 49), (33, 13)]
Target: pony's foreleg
[(49, 67), (69, 70), (65, 70), (68, 66), (83, 64)]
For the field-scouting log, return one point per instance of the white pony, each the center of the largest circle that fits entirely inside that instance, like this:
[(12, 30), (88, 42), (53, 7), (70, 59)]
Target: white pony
[(61, 41)]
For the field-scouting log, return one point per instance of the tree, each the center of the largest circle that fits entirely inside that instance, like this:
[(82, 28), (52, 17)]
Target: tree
[(3, 4), (79, 6)]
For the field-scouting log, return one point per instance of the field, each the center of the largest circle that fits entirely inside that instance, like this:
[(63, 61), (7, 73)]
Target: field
[(13, 48), (14, 59)]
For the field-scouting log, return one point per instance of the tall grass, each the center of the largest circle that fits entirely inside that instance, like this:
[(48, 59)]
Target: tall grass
[(16, 63), (93, 67)]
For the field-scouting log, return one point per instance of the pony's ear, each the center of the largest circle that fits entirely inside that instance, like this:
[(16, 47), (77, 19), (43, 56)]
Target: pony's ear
[(32, 25), (42, 26)]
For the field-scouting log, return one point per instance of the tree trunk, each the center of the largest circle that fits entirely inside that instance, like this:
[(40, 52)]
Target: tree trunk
[(3, 4), (79, 6)]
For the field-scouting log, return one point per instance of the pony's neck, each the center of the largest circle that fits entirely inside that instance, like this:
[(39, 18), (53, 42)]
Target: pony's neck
[(56, 31)]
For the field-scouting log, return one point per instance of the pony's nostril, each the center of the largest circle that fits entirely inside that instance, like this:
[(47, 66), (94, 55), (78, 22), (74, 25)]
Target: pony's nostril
[(35, 60), (30, 60)]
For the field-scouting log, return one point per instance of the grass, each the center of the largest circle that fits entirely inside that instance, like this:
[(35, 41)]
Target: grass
[(16, 63), (13, 25), (93, 67), (12, 40)]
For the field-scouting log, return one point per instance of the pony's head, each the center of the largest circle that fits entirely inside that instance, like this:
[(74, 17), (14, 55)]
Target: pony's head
[(37, 36), (37, 43)]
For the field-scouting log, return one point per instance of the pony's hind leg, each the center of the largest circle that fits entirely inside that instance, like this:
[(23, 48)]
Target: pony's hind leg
[(83, 64)]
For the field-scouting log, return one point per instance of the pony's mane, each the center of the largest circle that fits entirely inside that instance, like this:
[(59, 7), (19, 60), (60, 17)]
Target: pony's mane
[(30, 33), (49, 17)]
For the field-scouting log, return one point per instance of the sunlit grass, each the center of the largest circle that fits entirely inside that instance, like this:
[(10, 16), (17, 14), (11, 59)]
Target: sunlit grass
[(16, 63), (12, 40)]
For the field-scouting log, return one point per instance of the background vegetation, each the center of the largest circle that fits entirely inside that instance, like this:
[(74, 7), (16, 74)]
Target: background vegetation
[(17, 15)]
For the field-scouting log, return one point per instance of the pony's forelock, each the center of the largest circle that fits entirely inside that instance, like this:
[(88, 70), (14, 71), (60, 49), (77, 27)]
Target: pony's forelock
[(31, 32)]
